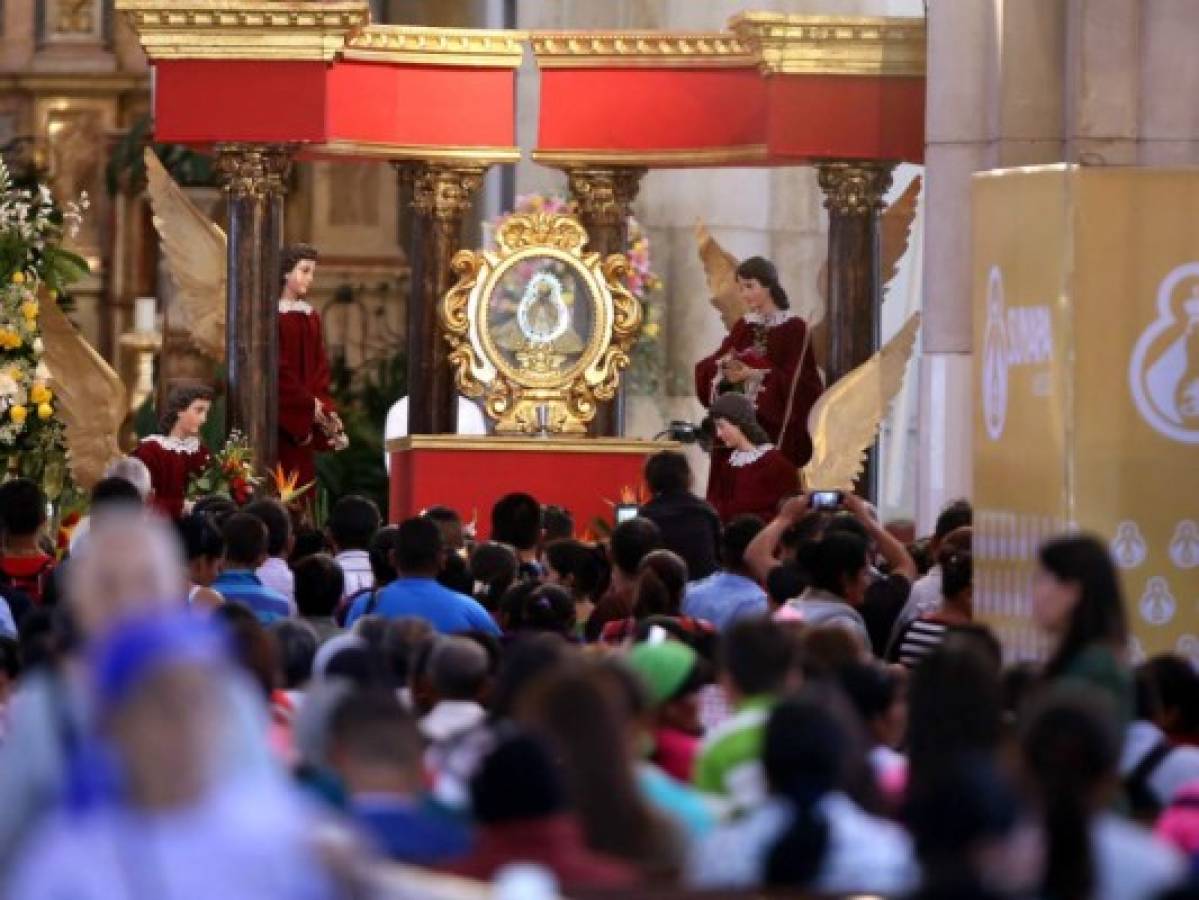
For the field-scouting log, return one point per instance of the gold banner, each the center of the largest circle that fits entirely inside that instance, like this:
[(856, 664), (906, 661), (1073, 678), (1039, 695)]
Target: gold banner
[(1086, 336)]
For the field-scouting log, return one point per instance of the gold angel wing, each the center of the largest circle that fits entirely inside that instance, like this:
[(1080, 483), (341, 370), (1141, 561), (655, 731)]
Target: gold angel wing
[(845, 420), (720, 268), (895, 231), (195, 252), (89, 395)]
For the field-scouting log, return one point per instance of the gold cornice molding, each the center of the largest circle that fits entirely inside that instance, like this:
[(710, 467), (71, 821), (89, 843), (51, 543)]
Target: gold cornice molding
[(74, 84), (244, 29), (463, 47), (834, 45), (639, 49), (446, 154), (518, 444), (697, 156)]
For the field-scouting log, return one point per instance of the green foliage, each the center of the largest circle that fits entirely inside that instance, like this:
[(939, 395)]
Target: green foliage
[(126, 166)]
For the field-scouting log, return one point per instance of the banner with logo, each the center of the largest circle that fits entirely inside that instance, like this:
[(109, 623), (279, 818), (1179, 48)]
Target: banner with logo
[(1086, 301)]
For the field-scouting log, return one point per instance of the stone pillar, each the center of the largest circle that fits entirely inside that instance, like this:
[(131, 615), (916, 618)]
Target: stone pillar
[(441, 196), (853, 196), (604, 197), (254, 178)]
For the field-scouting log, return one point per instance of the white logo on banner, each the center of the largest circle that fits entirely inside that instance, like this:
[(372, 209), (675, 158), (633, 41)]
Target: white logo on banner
[(994, 384), (1164, 371), (1128, 547), (1136, 651), (1157, 603), (1184, 546), (1188, 646)]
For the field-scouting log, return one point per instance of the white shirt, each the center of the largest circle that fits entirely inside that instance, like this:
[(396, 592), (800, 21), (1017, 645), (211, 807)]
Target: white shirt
[(276, 573), (1130, 863), (356, 567), (1175, 770)]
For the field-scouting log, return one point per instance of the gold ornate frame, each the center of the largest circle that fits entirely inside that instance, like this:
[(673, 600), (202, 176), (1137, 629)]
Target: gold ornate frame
[(513, 394)]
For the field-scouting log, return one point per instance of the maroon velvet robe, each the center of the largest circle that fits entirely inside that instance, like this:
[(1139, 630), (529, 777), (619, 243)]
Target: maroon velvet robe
[(171, 464), (755, 488), (303, 379)]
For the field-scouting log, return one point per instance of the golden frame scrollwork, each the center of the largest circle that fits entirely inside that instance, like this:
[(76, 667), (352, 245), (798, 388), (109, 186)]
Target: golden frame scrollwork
[(515, 386)]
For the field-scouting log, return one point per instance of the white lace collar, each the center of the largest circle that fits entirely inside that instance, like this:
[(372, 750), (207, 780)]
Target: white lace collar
[(770, 320), (739, 458), (175, 445), (300, 306)]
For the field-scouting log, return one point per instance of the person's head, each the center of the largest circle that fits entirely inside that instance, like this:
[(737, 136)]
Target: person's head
[(130, 565), (275, 517), (245, 541), (956, 514), (320, 582), (297, 267), (530, 656), (458, 669), (735, 539), (783, 583), (548, 608), (1071, 746), (838, 564), (516, 521), (631, 541), (758, 285), (517, 781), (804, 753), (672, 674), (667, 472), (957, 579), (661, 582), (583, 569), (825, 650), (736, 423), (879, 699), (1175, 685), (186, 409), (10, 667), (22, 508), (420, 550), (111, 492), (353, 521), (132, 470), (493, 569), (455, 574), (295, 650), (557, 523), (382, 554), (755, 657), (374, 745), (1076, 597), (203, 545), (253, 649), (450, 523), (402, 641)]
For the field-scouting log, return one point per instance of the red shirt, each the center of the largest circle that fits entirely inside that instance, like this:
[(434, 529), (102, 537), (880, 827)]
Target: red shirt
[(754, 487), (304, 378), (171, 462)]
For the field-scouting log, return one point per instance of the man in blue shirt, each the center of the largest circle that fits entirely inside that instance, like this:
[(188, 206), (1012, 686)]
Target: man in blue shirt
[(246, 542), (418, 558), (731, 593)]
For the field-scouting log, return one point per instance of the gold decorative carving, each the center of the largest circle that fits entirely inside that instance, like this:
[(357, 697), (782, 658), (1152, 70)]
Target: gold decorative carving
[(639, 49), (463, 47), (604, 194), (654, 159), (854, 188), (519, 444), (254, 170), (554, 382), (444, 191), (447, 154), (833, 45), (244, 29)]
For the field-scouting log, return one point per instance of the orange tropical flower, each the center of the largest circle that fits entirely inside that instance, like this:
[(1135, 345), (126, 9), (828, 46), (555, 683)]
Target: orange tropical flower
[(285, 484)]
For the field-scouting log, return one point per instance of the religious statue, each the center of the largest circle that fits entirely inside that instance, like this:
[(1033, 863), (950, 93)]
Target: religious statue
[(541, 334), (177, 453)]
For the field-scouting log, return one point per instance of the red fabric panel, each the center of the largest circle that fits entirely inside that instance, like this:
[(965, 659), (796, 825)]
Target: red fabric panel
[(651, 109), (855, 117), (471, 481), (435, 105), (204, 101)]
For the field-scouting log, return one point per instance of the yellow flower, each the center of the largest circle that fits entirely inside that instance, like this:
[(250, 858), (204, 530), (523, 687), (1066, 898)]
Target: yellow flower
[(39, 393), (9, 339), (651, 330), (18, 277), (18, 413), (29, 309), (44, 410)]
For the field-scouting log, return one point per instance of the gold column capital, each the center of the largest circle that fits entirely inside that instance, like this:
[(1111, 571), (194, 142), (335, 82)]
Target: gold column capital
[(604, 194), (254, 170), (854, 188), (443, 192)]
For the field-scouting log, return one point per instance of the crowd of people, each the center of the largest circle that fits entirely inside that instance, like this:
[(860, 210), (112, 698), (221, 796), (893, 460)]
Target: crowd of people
[(237, 704)]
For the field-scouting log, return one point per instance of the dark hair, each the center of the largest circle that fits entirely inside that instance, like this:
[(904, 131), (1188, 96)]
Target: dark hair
[(803, 750), (517, 781), (556, 522), (1098, 617), (455, 575), (320, 582), (764, 273), (372, 726), (586, 563), (492, 565), (179, 398), (253, 648), (530, 656), (516, 520), (353, 522), (833, 560), (661, 582), (402, 641), (735, 538), (957, 514), (381, 554), (957, 572), (548, 608), (201, 537), (277, 521), (291, 256), (116, 492), (10, 658), (217, 507), (450, 524), (631, 541), (510, 610), (756, 654), (458, 668), (245, 539), (308, 541), (1071, 747), (667, 471), (22, 507), (420, 546), (1176, 685), (870, 688), (295, 648), (785, 582)]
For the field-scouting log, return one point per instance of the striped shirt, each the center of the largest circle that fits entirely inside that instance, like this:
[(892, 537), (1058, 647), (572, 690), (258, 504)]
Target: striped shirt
[(919, 640)]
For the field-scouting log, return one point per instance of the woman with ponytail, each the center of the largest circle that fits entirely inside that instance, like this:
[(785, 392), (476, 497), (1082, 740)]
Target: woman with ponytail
[(809, 834)]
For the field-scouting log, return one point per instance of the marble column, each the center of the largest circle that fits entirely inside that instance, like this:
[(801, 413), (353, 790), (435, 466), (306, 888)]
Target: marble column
[(254, 178), (441, 195), (604, 196)]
